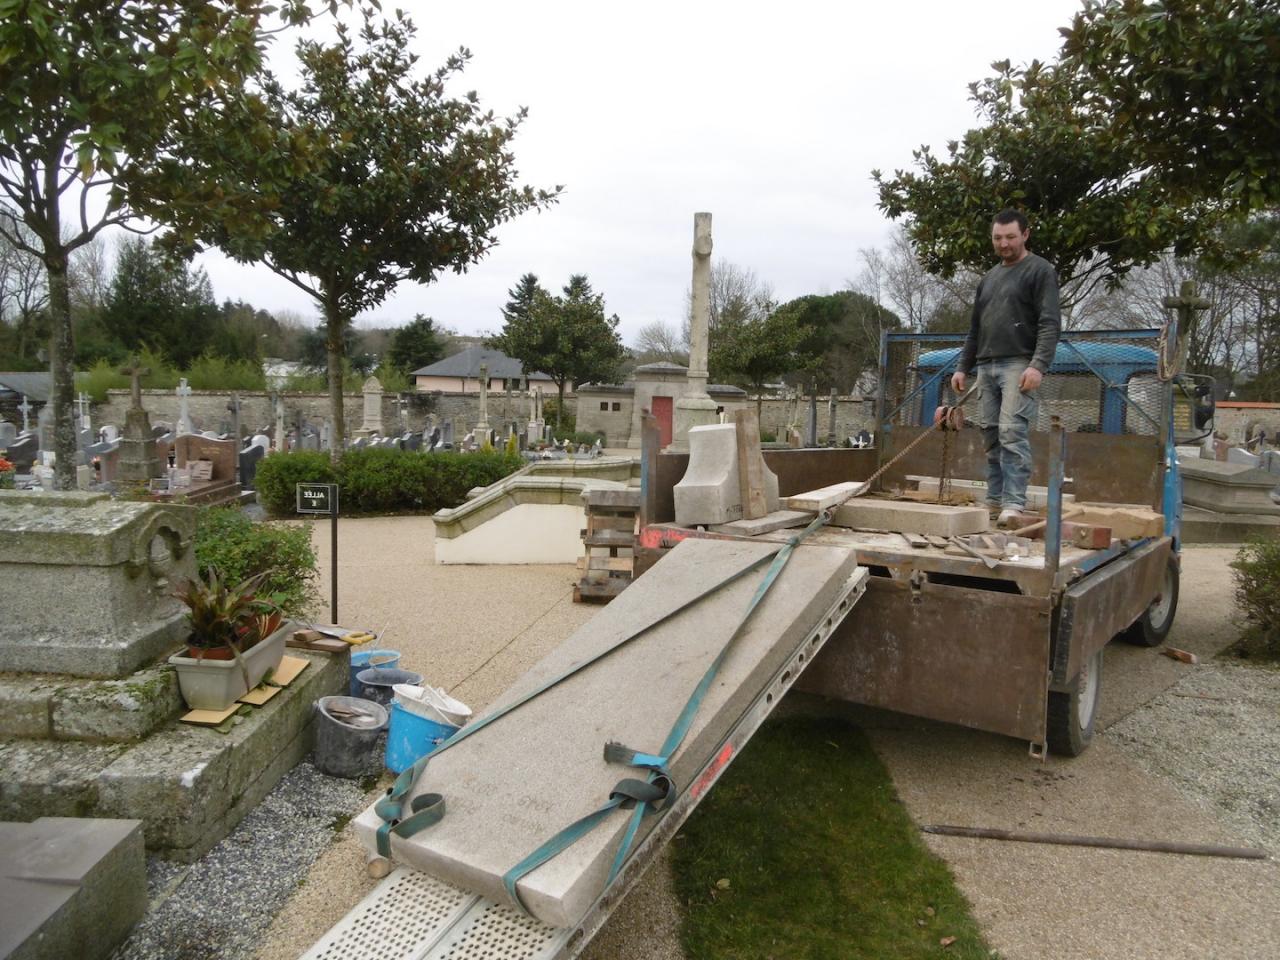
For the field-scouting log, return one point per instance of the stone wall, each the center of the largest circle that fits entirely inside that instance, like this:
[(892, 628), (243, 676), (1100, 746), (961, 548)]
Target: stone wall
[(852, 414), (1233, 420), (209, 409)]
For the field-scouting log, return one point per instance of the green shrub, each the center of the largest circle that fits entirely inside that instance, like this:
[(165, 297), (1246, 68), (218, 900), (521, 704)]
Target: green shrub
[(241, 548), (378, 480), (381, 481), (1257, 575), (280, 473), (208, 372)]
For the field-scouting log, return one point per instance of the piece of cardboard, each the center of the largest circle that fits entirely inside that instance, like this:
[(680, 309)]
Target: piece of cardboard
[(260, 695), (209, 718), (288, 670)]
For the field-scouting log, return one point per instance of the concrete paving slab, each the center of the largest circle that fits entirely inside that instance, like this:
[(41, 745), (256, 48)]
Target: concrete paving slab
[(71, 887), (907, 516), (778, 520), (513, 785)]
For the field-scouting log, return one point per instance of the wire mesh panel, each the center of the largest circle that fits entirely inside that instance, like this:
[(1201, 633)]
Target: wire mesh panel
[(1100, 381)]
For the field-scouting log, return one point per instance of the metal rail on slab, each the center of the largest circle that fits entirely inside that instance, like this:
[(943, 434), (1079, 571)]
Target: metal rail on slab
[(413, 916)]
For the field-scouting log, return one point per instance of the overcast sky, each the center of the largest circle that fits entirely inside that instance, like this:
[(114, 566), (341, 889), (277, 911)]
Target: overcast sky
[(770, 116)]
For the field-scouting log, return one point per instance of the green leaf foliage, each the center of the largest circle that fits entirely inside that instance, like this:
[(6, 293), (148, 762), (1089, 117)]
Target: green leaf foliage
[(1257, 575), (380, 480), (567, 337), (281, 554), (1157, 124), (754, 350), (95, 99), (416, 345), (373, 174), (843, 335)]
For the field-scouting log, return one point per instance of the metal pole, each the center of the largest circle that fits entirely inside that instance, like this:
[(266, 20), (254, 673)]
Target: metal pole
[(1053, 511), (333, 564)]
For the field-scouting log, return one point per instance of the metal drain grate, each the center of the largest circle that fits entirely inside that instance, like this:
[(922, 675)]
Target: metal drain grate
[(411, 916)]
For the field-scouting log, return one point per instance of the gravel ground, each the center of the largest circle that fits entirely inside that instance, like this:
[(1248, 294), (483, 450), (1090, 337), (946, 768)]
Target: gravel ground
[(1214, 736), (220, 906)]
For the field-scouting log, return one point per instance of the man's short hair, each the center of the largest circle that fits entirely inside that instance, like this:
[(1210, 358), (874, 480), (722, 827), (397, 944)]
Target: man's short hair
[(1009, 215)]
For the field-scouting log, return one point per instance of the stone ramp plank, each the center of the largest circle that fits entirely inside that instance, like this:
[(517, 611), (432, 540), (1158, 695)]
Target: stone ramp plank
[(513, 785)]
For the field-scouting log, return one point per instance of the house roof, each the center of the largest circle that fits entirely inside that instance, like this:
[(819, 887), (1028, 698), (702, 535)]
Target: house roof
[(467, 364), (36, 386)]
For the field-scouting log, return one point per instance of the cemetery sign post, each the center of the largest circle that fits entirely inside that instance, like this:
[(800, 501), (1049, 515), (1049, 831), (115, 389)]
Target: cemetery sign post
[(322, 498)]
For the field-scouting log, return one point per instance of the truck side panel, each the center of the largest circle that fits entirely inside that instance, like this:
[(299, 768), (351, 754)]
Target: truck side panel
[(974, 657), (1103, 604)]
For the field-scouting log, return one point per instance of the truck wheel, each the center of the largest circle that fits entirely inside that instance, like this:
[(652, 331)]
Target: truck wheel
[(1071, 713), (1150, 629)]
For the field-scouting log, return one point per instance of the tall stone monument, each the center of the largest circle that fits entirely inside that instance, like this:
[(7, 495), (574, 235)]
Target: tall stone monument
[(372, 422), (138, 460), (696, 408), (482, 428), (184, 413)]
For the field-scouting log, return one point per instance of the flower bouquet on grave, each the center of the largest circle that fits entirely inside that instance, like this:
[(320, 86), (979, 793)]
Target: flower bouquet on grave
[(7, 474)]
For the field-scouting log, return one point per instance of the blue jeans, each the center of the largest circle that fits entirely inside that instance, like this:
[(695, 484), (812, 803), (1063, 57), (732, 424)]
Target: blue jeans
[(1005, 418)]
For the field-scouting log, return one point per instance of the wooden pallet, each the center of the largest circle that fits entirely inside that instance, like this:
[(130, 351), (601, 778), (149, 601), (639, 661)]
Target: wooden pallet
[(609, 541)]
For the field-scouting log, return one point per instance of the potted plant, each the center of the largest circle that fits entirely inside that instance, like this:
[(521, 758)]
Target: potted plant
[(235, 640), (7, 473)]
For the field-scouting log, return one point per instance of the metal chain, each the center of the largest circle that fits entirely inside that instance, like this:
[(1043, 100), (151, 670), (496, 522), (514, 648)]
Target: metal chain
[(944, 471), (920, 439)]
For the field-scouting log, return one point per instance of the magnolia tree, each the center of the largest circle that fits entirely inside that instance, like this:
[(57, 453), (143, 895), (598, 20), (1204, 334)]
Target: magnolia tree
[(95, 99), (410, 180)]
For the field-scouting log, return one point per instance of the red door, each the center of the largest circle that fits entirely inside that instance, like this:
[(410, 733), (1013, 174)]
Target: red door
[(662, 412)]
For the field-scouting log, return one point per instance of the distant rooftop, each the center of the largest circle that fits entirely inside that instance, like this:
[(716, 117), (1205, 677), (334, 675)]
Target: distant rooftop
[(467, 362), (35, 386)]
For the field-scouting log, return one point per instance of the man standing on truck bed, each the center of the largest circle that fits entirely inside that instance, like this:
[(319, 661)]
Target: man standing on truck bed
[(1012, 335)]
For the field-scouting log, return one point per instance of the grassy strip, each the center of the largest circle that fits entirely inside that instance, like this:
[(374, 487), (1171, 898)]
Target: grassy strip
[(803, 852)]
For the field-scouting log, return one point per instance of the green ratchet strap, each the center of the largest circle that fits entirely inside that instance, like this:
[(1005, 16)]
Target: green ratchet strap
[(390, 809), (663, 789), (640, 796)]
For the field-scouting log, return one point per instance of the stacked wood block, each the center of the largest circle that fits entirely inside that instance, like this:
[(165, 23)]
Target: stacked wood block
[(609, 540)]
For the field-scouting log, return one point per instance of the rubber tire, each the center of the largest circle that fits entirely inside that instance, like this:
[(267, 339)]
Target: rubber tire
[(1068, 732), (1150, 629)]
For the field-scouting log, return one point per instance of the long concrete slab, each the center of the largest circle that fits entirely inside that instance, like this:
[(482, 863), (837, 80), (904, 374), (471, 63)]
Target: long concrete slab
[(513, 785), (908, 516)]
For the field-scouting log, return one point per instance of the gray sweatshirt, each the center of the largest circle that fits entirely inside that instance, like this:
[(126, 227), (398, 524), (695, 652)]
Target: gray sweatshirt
[(1015, 314)]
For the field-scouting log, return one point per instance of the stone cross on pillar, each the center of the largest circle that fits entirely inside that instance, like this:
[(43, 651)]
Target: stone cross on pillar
[(184, 415), (482, 428), (25, 407), (1185, 305), (695, 408), (82, 401), (135, 372)]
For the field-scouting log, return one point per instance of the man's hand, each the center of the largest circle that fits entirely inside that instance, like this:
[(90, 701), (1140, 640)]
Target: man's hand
[(957, 381), (1030, 379)]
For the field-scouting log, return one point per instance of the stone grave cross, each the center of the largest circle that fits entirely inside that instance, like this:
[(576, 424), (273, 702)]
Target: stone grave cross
[(25, 407), (135, 371), (1186, 303), (82, 401), (184, 414)]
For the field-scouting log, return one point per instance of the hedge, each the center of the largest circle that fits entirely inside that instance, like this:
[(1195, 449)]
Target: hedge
[(379, 480)]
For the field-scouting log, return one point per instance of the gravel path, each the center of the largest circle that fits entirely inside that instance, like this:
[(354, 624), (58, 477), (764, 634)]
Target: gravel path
[(219, 907), (1172, 762), (1215, 737)]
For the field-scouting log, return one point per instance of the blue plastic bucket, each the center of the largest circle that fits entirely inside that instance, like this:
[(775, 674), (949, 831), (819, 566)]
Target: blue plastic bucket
[(360, 660), (412, 737)]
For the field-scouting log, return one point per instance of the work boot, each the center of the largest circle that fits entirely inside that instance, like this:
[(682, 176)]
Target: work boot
[(1009, 517)]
